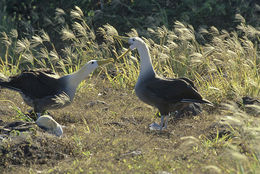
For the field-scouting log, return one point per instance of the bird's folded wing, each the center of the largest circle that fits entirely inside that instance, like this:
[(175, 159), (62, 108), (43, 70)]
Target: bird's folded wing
[(172, 90), (35, 84)]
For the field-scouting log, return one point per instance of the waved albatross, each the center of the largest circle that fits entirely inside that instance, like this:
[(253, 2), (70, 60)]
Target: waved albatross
[(43, 89), (168, 95)]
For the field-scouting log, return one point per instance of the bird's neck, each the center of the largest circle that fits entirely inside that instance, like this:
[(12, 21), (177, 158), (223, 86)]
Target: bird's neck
[(75, 78), (146, 69)]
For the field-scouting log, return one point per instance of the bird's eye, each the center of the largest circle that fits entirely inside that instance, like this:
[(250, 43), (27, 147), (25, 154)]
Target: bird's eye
[(92, 62), (133, 39)]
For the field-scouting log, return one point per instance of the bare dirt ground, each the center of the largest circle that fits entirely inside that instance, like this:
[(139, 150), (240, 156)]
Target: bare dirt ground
[(107, 132)]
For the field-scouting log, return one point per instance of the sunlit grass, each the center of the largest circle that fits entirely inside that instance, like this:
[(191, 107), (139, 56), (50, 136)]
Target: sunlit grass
[(226, 67)]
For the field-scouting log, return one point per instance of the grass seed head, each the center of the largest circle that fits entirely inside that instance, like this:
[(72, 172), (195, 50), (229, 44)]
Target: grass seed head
[(45, 36), (59, 12), (5, 39), (67, 34), (23, 45)]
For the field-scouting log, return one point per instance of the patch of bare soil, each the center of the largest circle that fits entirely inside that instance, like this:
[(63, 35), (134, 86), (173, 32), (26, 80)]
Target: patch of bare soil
[(23, 143), (104, 128)]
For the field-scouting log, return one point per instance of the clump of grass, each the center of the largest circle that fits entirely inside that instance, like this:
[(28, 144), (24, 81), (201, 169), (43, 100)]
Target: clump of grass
[(224, 66), (236, 140), (38, 51)]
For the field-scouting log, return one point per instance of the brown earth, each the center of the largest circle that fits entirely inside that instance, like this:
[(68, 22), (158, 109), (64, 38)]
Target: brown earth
[(107, 132)]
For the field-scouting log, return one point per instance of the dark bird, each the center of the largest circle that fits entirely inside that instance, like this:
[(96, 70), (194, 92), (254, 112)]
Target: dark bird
[(168, 95), (43, 89)]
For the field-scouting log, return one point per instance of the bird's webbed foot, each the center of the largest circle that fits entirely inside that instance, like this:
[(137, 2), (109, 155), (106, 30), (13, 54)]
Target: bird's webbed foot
[(162, 126), (154, 126)]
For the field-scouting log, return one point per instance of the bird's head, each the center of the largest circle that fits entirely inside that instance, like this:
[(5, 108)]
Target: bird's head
[(93, 64), (135, 42), (73, 80)]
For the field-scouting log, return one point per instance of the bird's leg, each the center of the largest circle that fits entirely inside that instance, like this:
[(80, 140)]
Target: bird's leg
[(162, 121), (155, 126), (38, 114), (166, 121)]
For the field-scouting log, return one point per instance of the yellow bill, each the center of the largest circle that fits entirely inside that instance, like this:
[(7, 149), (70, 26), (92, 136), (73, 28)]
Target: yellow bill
[(127, 51), (105, 61), (125, 39)]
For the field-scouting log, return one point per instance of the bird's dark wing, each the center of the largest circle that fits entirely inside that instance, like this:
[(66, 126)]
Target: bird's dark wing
[(189, 82), (34, 83), (171, 90)]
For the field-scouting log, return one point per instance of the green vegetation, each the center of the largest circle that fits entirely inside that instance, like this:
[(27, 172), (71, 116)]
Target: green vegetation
[(112, 137), (31, 15)]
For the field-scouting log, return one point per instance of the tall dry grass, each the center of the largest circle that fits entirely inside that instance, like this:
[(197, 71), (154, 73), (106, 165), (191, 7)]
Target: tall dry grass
[(224, 65)]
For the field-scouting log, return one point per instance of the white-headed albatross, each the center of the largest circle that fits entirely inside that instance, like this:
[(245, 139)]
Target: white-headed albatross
[(168, 95), (43, 89)]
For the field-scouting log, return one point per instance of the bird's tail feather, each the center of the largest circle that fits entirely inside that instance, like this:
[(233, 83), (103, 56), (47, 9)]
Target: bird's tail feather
[(5, 84), (203, 101)]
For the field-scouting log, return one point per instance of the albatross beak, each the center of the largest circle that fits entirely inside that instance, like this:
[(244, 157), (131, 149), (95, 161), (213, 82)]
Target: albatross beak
[(125, 39), (102, 62), (127, 51)]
